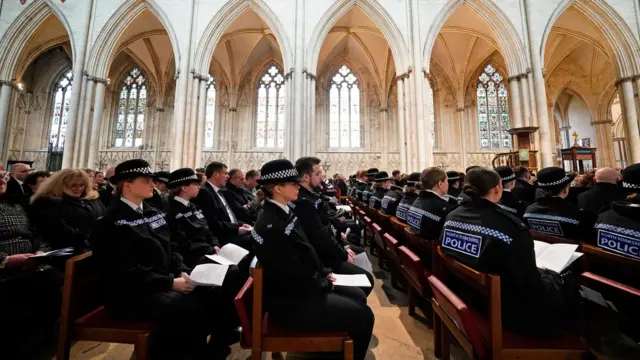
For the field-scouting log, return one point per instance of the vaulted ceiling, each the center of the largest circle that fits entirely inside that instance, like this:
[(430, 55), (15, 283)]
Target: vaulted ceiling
[(49, 35)]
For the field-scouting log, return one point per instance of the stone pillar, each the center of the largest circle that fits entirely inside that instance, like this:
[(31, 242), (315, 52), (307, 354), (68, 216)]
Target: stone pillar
[(631, 121), (402, 145), (463, 119), (606, 156), (527, 117), (5, 96), (192, 132), (412, 146), (516, 104), (86, 126), (77, 130), (385, 146), (201, 123), (157, 119), (313, 129), (98, 107), (426, 144), (231, 120), (564, 135)]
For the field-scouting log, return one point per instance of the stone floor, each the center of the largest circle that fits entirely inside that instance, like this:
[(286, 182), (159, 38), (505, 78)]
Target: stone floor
[(396, 334)]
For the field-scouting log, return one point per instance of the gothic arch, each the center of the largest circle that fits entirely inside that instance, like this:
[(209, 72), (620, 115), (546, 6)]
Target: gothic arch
[(377, 14), (22, 29), (614, 30), (510, 45), (605, 102), (104, 47), (224, 17)]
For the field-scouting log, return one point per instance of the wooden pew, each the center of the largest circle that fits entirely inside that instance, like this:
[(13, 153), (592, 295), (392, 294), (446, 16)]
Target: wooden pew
[(425, 249), (398, 228), (550, 238), (258, 334), (84, 317), (416, 275), (377, 244), (610, 265), (391, 252), (384, 221), (482, 337)]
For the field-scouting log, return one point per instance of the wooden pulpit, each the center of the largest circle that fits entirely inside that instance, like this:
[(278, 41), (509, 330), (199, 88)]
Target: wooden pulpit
[(579, 159)]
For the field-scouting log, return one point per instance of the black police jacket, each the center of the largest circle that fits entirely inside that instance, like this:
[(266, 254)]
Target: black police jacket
[(510, 203), (525, 191), (375, 200), (293, 270), (618, 229), (555, 216), (360, 188), (426, 215), (390, 201), (407, 201)]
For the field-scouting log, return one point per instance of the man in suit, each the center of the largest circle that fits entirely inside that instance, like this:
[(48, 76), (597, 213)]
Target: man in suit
[(251, 183), (160, 190), (523, 190), (106, 194), (237, 198), (220, 218), (603, 193), (17, 191)]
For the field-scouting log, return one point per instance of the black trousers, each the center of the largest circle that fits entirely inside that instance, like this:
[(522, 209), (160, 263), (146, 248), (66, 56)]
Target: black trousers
[(331, 312), (351, 269)]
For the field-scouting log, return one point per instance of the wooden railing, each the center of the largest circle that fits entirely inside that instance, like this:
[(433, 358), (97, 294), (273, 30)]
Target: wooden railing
[(510, 159)]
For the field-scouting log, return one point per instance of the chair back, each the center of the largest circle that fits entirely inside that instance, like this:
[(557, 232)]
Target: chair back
[(550, 238), (244, 307), (392, 247), (398, 226), (414, 269), (377, 235), (424, 248), (384, 220), (625, 298), (617, 267)]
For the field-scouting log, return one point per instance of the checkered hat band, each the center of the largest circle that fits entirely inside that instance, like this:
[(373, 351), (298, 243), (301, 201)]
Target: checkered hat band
[(553, 183), (163, 179), (192, 177), (453, 178), (630, 186), (510, 177), (282, 174), (143, 170)]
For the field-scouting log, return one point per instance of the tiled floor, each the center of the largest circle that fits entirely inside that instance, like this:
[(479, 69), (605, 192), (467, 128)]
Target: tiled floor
[(396, 335)]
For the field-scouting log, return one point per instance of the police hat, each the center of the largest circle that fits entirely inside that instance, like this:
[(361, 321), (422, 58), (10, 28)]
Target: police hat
[(184, 176), (552, 176), (631, 178), (381, 176), (131, 169), (278, 172), (453, 176), (372, 172), (413, 178), (506, 173), (161, 176)]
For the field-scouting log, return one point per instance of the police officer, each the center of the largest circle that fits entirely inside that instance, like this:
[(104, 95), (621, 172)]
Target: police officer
[(551, 213), (509, 202), (298, 292), (455, 186), (383, 183), (393, 197), (143, 275), (361, 184), (368, 191), (408, 198), (482, 236), (427, 214), (159, 198)]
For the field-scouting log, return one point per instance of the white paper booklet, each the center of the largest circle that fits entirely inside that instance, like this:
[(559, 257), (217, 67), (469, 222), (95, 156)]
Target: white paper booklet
[(59, 252), (359, 280), (207, 275), (555, 257), (230, 254), (346, 208), (362, 261)]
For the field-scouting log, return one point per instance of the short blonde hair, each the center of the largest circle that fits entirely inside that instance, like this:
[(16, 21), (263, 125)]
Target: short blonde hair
[(54, 185)]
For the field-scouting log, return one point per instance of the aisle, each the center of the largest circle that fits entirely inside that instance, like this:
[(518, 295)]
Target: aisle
[(396, 335)]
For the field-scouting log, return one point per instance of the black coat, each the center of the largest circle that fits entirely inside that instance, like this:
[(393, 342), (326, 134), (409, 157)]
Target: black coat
[(408, 198), (426, 215), (555, 216), (190, 235), (342, 186), (524, 191), (237, 198), (599, 197), (65, 221), (135, 254), (360, 188), (106, 195), (216, 214), (510, 203), (318, 230), (17, 194), (375, 200), (293, 270), (390, 201), (454, 195), (159, 201)]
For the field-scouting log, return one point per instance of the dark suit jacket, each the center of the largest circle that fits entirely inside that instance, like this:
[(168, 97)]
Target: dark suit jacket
[(106, 195), (524, 191), (600, 197), (16, 193), (236, 198), (217, 218)]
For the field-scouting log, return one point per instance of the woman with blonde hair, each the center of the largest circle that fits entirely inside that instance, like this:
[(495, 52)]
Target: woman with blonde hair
[(64, 209)]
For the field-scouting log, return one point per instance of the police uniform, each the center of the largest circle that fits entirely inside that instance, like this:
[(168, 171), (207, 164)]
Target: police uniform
[(390, 201), (297, 292), (375, 200), (159, 199), (408, 198), (427, 214), (484, 237), (553, 215), (454, 193), (509, 201), (132, 246)]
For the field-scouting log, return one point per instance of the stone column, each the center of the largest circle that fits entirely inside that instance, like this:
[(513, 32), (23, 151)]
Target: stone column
[(86, 125), (426, 144), (402, 145), (606, 156), (231, 119), (516, 104), (631, 120), (98, 107), (313, 129), (564, 134), (77, 130), (527, 117), (201, 123), (5, 96), (192, 133), (462, 121), (412, 147), (385, 150), (157, 119)]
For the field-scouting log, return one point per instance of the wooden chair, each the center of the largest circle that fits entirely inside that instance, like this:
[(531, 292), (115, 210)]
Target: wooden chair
[(368, 231), (384, 220), (391, 253), (482, 337), (550, 238), (258, 334), (622, 269), (425, 249), (84, 318), (377, 245), (416, 275), (398, 228)]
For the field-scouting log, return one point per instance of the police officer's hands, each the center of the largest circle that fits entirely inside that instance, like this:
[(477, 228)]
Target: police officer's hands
[(351, 256), (217, 249), (331, 277), (181, 285), (19, 261)]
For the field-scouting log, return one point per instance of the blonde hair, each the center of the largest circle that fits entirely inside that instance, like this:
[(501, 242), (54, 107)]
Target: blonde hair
[(54, 185)]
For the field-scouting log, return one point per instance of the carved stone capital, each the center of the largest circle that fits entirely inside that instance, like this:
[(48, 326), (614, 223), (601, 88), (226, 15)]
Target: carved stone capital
[(603, 122), (6, 82), (97, 79), (233, 109), (160, 109), (383, 109), (626, 78)]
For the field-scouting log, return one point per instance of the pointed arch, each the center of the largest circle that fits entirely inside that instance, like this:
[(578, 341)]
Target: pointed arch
[(507, 37), (225, 16), (103, 50), (377, 14), (17, 36), (613, 28)]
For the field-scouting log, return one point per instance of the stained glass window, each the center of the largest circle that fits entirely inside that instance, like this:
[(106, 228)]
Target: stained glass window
[(270, 109), (211, 112), (433, 119), (131, 109), (493, 110), (344, 110), (61, 98)]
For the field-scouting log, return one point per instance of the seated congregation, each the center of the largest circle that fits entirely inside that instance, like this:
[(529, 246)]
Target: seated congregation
[(466, 245)]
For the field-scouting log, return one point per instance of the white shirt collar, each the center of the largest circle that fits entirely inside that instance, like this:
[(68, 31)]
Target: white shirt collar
[(215, 188), (132, 205), (436, 194), (283, 207), (184, 202), (507, 190)]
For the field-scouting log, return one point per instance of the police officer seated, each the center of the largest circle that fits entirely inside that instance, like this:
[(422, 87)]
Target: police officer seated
[(369, 189), (298, 291), (551, 213), (361, 184), (455, 186), (333, 253), (509, 201), (409, 196), (482, 236), (143, 278), (383, 183), (426, 216), (159, 198)]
